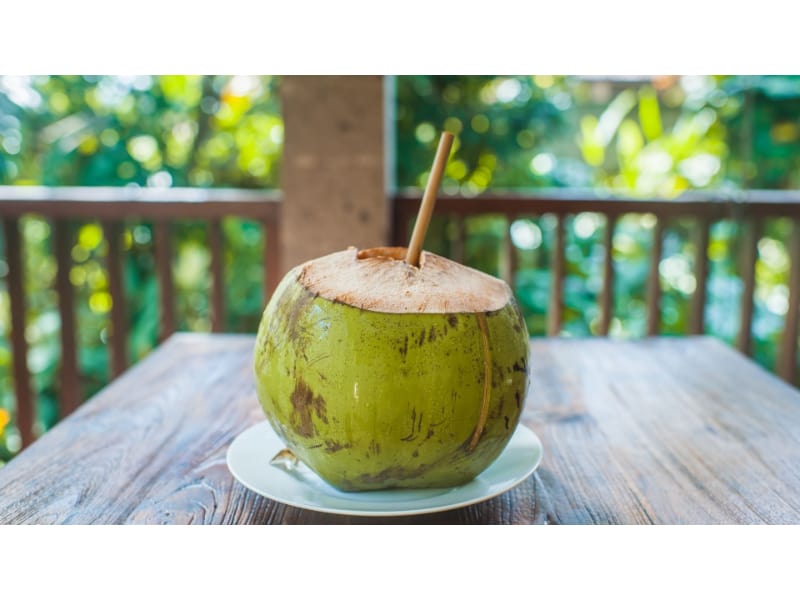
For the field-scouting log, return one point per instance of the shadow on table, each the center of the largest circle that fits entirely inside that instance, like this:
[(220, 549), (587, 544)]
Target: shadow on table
[(528, 503)]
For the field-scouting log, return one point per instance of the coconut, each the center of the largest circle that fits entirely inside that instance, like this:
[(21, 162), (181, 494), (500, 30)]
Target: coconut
[(377, 373)]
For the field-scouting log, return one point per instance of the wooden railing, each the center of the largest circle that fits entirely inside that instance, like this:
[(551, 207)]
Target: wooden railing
[(111, 206), (749, 209)]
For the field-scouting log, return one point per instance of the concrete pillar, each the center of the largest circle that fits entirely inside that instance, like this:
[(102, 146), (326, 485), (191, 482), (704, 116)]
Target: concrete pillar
[(332, 174)]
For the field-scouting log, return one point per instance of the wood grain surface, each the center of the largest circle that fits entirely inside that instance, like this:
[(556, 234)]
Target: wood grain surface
[(662, 430)]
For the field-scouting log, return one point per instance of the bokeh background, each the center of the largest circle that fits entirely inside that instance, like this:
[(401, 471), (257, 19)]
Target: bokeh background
[(645, 137)]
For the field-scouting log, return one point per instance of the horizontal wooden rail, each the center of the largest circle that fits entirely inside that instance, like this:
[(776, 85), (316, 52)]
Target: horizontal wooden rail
[(763, 203), (136, 202), (64, 206), (746, 208)]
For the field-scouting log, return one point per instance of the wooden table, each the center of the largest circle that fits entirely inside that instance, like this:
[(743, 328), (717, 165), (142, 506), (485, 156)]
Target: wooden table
[(663, 430)]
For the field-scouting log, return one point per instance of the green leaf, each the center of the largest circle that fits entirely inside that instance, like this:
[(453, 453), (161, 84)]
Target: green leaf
[(650, 113)]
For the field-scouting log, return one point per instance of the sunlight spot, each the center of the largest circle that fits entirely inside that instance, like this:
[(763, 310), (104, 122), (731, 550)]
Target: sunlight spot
[(453, 125), (526, 234), (773, 254), (100, 302), (242, 85), (142, 147), (20, 91), (487, 94), (209, 105), (648, 221), (508, 90), (469, 189), (480, 123), (38, 359), (11, 145), (257, 167), (456, 169), (142, 235), (36, 230), (481, 177), (425, 133), (543, 163), (79, 253), (778, 300), (13, 442), (655, 162), (109, 137), (276, 134), (586, 224), (686, 283), (562, 101), (699, 169), (59, 103), (90, 236), (88, 145), (183, 132), (161, 179), (77, 275), (97, 279)]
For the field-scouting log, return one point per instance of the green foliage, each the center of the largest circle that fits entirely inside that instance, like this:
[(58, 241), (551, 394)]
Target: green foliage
[(168, 130), (648, 137), (653, 137), (500, 123), (144, 131)]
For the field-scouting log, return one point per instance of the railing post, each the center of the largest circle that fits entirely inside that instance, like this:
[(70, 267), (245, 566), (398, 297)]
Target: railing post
[(510, 250), (654, 280), (787, 360), (19, 347), (607, 292), (119, 323), (460, 245), (404, 211), (700, 275), (217, 278), (163, 252), (556, 280), (752, 232), (272, 262), (70, 392)]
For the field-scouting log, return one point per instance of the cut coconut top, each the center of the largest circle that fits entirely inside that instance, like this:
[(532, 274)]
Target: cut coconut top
[(378, 279)]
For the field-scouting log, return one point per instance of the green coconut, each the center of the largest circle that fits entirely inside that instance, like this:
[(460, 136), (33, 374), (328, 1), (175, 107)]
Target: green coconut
[(378, 374)]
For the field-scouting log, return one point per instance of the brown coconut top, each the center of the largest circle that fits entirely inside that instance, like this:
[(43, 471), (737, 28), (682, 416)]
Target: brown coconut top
[(378, 279)]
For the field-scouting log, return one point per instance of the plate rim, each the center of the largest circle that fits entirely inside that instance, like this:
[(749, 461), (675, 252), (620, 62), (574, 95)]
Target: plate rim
[(393, 513)]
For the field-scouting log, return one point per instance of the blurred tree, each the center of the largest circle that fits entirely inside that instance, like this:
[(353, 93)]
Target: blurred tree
[(145, 131), (642, 137)]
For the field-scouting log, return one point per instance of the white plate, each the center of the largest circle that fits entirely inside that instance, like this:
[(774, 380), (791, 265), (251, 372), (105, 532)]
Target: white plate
[(249, 455)]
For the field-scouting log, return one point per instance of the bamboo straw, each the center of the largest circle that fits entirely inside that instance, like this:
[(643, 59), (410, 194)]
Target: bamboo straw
[(429, 199)]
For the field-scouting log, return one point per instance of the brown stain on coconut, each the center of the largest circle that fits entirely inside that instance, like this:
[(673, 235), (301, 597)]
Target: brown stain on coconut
[(305, 403), (404, 348), (291, 318), (332, 446), (396, 472), (487, 381)]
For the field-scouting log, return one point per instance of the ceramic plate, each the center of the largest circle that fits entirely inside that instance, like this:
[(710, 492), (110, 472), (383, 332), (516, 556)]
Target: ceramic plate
[(249, 455)]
